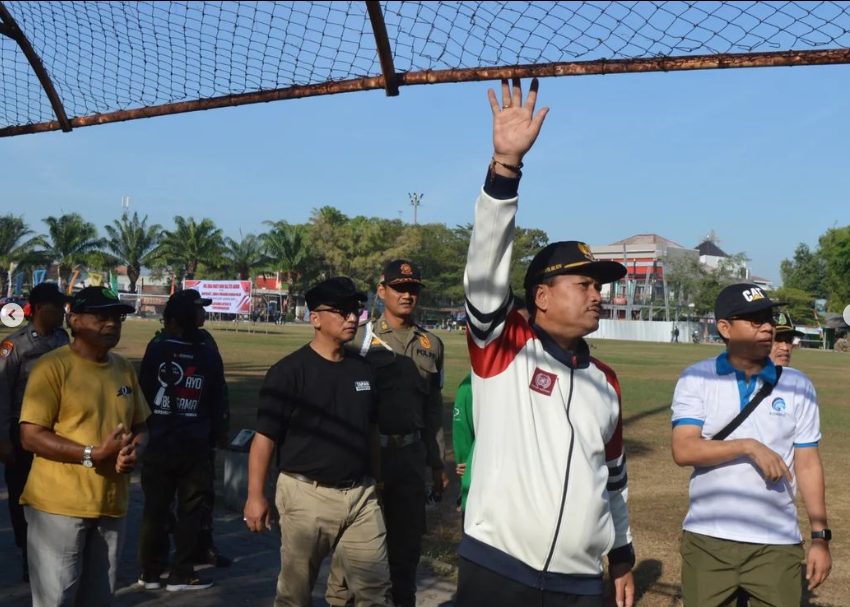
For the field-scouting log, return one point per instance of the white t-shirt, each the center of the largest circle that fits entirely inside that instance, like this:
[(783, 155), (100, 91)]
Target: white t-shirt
[(733, 501)]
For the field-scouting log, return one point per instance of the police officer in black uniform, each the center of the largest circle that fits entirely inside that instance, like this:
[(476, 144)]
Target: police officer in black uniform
[(18, 354), (408, 364)]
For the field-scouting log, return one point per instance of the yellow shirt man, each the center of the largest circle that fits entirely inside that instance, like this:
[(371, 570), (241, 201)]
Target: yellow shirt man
[(94, 398)]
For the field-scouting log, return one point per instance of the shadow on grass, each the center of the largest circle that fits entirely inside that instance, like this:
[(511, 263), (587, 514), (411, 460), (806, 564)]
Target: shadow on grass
[(644, 414)]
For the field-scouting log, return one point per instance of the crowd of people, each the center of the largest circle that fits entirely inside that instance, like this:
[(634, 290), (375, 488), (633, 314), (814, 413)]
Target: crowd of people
[(351, 425)]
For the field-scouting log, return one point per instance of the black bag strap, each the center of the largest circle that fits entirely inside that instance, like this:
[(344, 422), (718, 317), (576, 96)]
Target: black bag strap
[(765, 391)]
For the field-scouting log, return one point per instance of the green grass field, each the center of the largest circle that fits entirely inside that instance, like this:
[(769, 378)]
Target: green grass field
[(658, 488)]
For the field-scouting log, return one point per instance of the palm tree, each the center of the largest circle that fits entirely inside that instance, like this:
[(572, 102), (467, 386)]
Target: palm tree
[(132, 242), (286, 248), (17, 246), (246, 255), (189, 244), (73, 242)]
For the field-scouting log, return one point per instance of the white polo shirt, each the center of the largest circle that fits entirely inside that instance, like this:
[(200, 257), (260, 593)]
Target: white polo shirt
[(733, 501)]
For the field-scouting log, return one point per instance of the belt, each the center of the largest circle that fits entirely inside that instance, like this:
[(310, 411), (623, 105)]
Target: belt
[(310, 481), (396, 441)]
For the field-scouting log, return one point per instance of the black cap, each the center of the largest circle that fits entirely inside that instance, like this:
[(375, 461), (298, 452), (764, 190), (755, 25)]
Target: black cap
[(784, 325), (742, 299), (48, 292), (333, 292), (570, 257), (193, 296), (92, 299), (400, 271)]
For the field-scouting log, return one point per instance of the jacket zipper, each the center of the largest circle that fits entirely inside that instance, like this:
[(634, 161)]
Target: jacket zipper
[(566, 483)]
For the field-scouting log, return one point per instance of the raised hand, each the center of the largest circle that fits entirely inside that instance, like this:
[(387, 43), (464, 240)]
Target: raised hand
[(515, 125)]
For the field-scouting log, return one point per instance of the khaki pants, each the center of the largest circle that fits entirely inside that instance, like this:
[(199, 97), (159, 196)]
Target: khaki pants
[(713, 569), (316, 520)]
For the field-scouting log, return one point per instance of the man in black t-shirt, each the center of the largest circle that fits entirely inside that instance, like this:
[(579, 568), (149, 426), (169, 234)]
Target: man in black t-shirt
[(183, 381), (318, 414)]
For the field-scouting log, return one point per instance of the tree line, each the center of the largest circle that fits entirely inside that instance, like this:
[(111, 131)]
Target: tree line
[(329, 244)]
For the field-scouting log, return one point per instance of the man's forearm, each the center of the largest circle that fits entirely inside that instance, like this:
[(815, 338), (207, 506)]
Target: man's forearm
[(47, 444), (259, 458), (809, 471), (699, 452)]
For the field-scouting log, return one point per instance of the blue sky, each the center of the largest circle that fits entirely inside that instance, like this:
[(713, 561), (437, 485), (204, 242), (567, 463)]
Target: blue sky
[(758, 155)]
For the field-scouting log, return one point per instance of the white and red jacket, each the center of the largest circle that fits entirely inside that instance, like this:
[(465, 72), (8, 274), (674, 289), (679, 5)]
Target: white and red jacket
[(548, 499)]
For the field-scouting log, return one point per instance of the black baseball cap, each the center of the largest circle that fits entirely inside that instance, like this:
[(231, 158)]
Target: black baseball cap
[(193, 296), (401, 271), (741, 300), (93, 299), (784, 325), (48, 292), (570, 257), (334, 291)]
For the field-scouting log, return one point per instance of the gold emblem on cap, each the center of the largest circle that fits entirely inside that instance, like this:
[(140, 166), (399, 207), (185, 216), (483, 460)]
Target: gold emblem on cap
[(406, 270), (585, 250)]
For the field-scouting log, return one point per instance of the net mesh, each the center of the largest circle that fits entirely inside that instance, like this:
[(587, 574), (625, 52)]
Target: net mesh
[(106, 57)]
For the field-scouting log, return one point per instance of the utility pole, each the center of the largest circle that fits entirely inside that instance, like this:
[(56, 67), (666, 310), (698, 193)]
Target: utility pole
[(415, 201), (125, 207)]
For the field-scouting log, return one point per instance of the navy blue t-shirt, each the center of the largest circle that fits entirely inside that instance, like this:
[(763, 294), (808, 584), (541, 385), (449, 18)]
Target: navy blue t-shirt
[(184, 386)]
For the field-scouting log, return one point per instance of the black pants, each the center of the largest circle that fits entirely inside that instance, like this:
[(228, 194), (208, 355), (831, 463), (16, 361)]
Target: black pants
[(16, 479), (188, 477), (403, 473), (479, 587)]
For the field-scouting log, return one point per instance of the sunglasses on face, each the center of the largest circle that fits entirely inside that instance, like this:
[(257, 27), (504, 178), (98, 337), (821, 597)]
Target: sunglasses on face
[(345, 312)]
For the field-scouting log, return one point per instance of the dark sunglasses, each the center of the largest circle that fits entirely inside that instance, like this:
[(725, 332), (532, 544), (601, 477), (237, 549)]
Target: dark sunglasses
[(345, 312)]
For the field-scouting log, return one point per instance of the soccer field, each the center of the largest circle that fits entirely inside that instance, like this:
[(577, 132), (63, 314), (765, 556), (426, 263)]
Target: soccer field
[(658, 488)]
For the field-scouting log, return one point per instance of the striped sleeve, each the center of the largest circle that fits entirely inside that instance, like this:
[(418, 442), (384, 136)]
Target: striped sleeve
[(615, 460), (486, 279)]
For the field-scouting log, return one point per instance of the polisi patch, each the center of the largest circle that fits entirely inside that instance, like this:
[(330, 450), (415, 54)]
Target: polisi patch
[(543, 382), (426, 343), (6, 349)]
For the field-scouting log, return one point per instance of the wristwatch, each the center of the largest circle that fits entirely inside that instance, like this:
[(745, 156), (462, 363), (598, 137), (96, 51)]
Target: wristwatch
[(87, 461), (824, 534)]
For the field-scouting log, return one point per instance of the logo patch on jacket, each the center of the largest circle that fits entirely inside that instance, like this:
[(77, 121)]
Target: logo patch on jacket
[(543, 382), (124, 391), (6, 349), (362, 386)]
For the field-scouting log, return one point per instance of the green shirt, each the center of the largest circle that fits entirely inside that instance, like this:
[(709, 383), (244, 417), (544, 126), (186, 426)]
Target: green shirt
[(463, 434)]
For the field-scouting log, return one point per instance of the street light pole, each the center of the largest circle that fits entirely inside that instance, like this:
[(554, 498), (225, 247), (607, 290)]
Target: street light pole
[(415, 201)]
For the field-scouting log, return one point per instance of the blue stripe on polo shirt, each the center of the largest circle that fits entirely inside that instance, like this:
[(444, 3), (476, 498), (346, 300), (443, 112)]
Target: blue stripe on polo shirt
[(688, 421), (805, 445), (745, 392)]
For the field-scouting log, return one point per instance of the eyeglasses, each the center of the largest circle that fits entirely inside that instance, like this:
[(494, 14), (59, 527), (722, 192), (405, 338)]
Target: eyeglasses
[(105, 316), (344, 312), (757, 320)]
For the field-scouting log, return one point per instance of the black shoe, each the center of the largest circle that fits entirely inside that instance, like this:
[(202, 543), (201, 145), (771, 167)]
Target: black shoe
[(176, 584), (150, 581), (212, 557)]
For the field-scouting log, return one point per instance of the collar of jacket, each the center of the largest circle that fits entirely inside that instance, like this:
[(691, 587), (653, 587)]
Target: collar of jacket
[(572, 359), (382, 327)]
